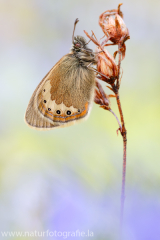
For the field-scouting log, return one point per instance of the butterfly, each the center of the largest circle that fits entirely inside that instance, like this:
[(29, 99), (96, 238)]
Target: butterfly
[(65, 94)]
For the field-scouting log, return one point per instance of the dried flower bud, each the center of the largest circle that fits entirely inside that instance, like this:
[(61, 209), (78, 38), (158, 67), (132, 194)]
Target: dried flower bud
[(109, 26), (114, 28), (101, 98), (106, 65), (120, 24)]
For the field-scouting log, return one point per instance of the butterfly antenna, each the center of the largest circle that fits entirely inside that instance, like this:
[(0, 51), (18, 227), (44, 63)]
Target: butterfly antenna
[(76, 21)]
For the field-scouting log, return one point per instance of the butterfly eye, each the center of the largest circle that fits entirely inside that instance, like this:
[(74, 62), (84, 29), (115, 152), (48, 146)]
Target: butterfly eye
[(78, 45), (79, 110), (68, 112), (44, 90), (49, 109), (45, 101)]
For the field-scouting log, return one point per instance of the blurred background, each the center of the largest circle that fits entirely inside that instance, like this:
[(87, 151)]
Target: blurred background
[(70, 178)]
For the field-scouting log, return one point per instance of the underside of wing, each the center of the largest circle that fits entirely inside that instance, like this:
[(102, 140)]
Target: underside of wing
[(58, 113), (33, 116), (63, 97)]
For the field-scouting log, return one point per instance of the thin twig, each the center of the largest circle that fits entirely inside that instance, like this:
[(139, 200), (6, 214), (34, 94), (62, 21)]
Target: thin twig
[(119, 66), (123, 177), (120, 126), (124, 136)]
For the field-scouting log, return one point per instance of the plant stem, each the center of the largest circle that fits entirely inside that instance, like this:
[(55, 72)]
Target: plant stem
[(120, 127), (123, 176), (124, 136)]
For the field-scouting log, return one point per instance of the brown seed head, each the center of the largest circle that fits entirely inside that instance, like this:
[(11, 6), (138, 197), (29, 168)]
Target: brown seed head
[(101, 98), (106, 65), (114, 28)]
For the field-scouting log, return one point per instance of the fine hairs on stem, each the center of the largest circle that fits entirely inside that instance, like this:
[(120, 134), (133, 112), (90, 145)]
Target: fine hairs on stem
[(116, 33)]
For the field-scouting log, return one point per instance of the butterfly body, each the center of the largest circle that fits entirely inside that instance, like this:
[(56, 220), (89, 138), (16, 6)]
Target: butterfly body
[(65, 94)]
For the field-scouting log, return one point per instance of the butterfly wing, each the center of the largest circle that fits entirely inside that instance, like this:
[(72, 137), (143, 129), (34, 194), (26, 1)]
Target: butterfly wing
[(63, 97), (33, 117)]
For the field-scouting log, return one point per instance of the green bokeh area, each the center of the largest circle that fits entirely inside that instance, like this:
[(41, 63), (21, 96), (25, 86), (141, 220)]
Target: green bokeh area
[(70, 179)]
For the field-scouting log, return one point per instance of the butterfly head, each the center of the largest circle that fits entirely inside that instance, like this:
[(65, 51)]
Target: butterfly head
[(82, 51)]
